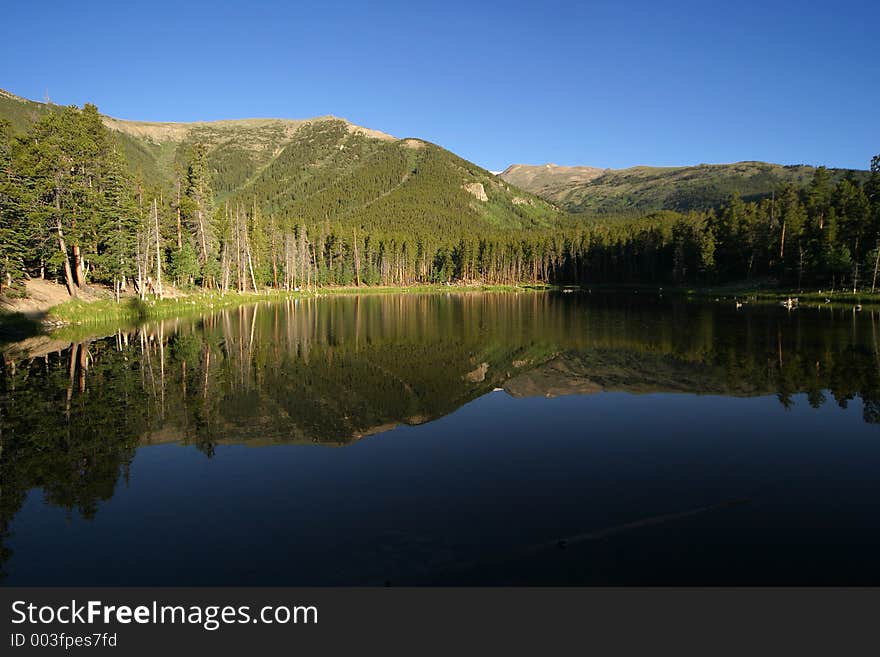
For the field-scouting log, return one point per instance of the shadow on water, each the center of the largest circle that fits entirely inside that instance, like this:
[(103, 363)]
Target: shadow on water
[(20, 326), (334, 371)]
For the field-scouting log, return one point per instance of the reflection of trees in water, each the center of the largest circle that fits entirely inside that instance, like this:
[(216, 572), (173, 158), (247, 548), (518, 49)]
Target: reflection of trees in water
[(63, 430), (307, 371), (333, 370)]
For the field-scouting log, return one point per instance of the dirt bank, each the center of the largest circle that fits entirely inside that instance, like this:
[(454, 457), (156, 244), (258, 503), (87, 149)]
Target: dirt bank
[(42, 295)]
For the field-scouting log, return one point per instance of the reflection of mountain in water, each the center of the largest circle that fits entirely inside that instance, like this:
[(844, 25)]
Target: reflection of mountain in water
[(335, 370), (608, 370)]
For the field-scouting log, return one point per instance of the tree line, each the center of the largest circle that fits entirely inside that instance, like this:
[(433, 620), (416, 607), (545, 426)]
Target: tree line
[(823, 235), (71, 210)]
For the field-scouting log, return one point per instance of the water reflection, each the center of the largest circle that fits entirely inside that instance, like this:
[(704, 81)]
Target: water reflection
[(334, 370)]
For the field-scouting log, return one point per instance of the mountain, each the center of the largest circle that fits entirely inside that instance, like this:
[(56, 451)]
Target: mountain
[(321, 169), (590, 190), (549, 180)]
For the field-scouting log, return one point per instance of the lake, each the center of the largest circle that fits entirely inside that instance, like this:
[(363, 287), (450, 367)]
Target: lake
[(462, 438)]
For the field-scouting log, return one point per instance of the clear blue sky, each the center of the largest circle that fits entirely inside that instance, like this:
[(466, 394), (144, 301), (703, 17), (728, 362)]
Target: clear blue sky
[(599, 83)]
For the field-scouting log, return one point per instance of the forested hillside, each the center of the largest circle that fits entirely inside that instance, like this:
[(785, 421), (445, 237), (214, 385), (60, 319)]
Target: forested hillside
[(245, 205), (824, 235), (638, 190), (240, 204), (314, 168)]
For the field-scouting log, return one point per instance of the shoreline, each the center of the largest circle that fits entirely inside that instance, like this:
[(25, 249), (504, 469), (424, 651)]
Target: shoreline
[(97, 311), (742, 293)]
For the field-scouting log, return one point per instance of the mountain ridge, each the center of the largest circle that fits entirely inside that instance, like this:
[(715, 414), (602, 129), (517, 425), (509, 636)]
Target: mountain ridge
[(319, 169), (642, 188), (327, 167), (174, 128)]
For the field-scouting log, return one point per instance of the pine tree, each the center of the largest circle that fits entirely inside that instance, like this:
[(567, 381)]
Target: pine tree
[(13, 222), (198, 211)]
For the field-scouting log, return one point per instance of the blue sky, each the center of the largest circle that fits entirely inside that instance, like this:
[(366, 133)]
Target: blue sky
[(608, 84)]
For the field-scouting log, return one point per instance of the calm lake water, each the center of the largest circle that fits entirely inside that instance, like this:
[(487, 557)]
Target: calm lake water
[(448, 439)]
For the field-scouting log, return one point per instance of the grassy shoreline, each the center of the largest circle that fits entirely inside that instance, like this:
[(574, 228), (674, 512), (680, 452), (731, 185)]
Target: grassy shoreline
[(744, 292), (132, 309)]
